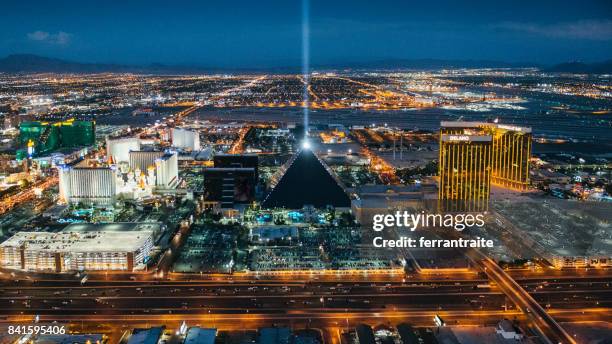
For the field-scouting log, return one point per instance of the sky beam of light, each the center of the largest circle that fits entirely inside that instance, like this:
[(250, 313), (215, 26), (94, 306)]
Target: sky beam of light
[(306, 62)]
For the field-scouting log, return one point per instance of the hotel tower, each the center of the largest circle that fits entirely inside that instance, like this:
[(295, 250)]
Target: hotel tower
[(473, 155)]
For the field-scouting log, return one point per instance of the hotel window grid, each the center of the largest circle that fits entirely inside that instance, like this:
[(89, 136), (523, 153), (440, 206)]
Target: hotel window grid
[(465, 175)]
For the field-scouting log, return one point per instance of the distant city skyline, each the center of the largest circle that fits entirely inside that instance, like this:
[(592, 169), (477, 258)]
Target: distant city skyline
[(268, 33)]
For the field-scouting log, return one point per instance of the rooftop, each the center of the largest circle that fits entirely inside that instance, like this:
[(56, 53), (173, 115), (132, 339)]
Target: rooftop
[(561, 228), (274, 335), (113, 227), (466, 124), (146, 336), (69, 339), (79, 242), (198, 335)]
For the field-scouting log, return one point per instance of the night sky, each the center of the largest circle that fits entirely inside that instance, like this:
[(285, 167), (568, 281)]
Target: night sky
[(268, 33)]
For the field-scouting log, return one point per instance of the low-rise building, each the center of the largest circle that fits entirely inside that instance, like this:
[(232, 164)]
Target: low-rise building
[(76, 251), (199, 335), (371, 200), (146, 335), (507, 330)]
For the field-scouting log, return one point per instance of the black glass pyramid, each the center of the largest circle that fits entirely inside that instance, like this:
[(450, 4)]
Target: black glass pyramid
[(306, 181)]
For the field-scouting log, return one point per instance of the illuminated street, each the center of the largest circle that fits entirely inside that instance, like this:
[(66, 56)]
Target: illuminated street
[(308, 172)]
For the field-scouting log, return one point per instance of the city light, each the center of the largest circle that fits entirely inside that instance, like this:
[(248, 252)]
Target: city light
[(305, 178)]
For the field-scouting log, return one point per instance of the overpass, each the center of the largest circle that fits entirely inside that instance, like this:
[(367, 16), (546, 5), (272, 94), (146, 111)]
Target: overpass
[(550, 330)]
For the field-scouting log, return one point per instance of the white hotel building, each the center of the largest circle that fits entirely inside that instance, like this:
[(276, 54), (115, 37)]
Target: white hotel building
[(88, 185), (142, 160), (166, 170), (164, 165), (119, 149), (93, 183), (186, 139)]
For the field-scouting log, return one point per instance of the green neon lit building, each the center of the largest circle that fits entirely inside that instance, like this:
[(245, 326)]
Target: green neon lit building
[(40, 138)]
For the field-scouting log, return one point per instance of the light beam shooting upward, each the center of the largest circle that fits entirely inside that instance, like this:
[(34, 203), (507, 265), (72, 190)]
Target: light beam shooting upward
[(306, 63)]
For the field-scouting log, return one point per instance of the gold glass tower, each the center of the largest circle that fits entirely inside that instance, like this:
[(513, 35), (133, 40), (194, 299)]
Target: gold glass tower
[(475, 154), (465, 172), (511, 153)]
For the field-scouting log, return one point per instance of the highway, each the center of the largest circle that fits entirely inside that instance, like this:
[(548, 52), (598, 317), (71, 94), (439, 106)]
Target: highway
[(334, 303), (544, 322), (9, 202), (277, 297)]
